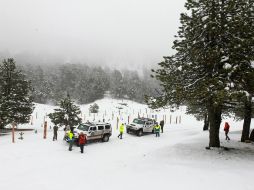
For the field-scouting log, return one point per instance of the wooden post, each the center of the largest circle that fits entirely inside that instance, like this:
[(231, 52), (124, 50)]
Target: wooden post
[(13, 133), (180, 119), (117, 121), (170, 119), (176, 119), (128, 119), (36, 115), (31, 120), (45, 130)]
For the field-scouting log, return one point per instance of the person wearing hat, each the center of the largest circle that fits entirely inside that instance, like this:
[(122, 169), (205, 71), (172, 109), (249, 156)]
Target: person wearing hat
[(82, 141), (121, 130), (157, 129)]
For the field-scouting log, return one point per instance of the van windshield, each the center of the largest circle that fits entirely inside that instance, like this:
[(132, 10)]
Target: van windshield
[(138, 121), (83, 127)]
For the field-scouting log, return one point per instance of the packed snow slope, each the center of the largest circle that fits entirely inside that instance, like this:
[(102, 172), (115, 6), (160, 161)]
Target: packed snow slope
[(177, 160)]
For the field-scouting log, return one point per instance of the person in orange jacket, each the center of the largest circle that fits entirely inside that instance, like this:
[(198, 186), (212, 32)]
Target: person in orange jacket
[(226, 129), (82, 141)]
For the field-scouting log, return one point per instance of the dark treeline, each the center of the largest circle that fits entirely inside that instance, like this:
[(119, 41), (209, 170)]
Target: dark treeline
[(85, 83)]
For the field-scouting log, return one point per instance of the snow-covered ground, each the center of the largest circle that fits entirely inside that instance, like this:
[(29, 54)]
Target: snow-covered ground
[(176, 160)]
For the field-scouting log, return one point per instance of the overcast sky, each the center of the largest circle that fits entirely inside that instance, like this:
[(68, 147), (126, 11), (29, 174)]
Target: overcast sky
[(111, 32)]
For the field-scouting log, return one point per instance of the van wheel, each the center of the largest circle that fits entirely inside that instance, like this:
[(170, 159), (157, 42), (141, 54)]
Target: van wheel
[(140, 133), (105, 138)]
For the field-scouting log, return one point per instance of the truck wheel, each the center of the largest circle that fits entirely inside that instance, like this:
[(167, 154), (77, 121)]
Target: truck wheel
[(140, 133), (105, 138)]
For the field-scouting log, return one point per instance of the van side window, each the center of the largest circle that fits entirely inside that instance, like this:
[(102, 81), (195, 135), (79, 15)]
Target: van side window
[(92, 128), (107, 127), (100, 127)]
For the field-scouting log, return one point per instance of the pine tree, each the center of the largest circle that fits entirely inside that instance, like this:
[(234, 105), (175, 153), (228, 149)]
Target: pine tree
[(15, 95), (207, 47), (67, 114), (94, 108), (241, 54)]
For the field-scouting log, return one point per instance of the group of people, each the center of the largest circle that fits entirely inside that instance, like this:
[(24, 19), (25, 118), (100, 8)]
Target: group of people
[(82, 139), (70, 136)]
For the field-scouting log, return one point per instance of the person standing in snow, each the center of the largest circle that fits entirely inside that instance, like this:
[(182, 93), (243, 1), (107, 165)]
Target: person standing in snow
[(82, 141), (55, 129), (71, 140), (121, 130), (162, 125), (226, 129), (157, 129)]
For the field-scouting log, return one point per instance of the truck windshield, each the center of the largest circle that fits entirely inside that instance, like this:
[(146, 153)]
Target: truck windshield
[(138, 121), (83, 127)]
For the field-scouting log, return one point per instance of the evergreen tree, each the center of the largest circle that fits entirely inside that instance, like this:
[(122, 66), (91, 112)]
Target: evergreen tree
[(241, 55), (67, 114), (200, 73), (15, 95), (94, 108)]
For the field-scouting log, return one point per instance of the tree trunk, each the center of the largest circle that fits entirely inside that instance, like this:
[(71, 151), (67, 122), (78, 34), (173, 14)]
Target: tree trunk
[(247, 120), (252, 135), (206, 123), (214, 115)]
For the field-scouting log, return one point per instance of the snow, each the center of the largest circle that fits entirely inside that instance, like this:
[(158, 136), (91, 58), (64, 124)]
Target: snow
[(177, 160)]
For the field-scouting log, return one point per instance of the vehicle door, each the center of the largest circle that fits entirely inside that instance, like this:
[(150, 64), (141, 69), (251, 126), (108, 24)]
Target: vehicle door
[(92, 133), (100, 131), (107, 128), (147, 126), (150, 126)]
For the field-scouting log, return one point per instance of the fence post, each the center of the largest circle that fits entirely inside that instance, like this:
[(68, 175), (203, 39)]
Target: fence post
[(117, 121), (13, 132), (45, 130)]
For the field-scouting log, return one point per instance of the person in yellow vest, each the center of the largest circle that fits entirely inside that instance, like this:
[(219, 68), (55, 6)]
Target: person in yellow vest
[(70, 139), (157, 129), (121, 130)]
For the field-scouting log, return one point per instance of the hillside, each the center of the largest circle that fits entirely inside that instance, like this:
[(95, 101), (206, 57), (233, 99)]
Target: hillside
[(176, 160)]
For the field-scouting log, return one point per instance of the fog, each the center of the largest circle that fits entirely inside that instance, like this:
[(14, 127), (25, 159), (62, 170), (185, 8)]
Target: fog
[(116, 33)]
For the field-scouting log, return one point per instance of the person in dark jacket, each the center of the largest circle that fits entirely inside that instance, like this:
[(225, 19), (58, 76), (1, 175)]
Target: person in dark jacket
[(162, 125), (226, 129), (81, 141), (55, 129)]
